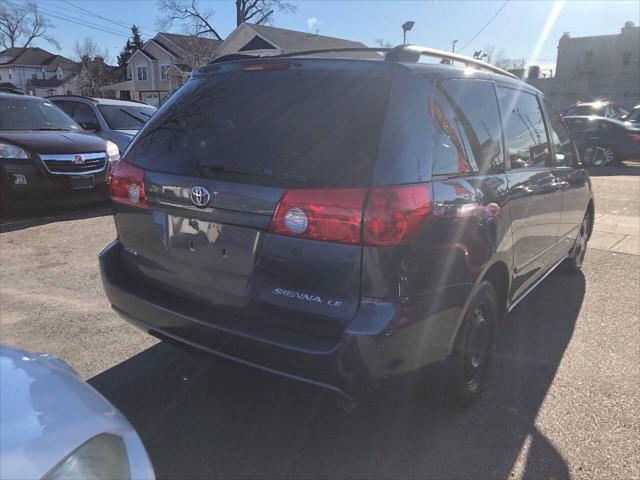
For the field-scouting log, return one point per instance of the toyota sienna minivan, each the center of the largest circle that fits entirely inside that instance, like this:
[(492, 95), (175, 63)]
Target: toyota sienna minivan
[(345, 222)]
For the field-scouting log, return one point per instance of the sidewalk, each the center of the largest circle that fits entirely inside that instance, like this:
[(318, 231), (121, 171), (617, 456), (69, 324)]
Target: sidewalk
[(616, 233)]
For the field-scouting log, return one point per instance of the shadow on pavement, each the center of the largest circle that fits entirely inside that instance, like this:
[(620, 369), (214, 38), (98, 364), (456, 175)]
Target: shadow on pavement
[(200, 417), (629, 167), (18, 220)]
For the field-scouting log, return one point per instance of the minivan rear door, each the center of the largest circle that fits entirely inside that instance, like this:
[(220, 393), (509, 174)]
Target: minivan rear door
[(242, 135)]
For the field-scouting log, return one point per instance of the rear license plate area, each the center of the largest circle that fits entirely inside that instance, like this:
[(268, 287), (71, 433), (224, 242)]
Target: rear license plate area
[(82, 181)]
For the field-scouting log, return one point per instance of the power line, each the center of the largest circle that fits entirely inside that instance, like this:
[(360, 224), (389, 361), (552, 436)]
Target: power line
[(83, 23), (485, 25), (110, 20)]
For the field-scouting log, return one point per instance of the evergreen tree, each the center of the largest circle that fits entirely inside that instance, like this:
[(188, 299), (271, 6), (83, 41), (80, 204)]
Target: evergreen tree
[(134, 43)]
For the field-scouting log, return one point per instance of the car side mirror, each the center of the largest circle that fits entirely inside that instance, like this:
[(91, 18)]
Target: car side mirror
[(624, 117), (91, 126)]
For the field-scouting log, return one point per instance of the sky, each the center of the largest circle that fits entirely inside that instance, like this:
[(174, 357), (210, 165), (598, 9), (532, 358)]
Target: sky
[(521, 28)]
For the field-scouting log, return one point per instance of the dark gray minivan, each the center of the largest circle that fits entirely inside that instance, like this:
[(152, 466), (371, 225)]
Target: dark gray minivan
[(345, 222)]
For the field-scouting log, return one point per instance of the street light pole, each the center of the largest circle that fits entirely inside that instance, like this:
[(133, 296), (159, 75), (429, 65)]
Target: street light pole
[(406, 26), (453, 46)]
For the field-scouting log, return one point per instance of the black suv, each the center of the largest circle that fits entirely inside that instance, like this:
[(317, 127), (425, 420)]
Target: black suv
[(345, 222), (46, 158)]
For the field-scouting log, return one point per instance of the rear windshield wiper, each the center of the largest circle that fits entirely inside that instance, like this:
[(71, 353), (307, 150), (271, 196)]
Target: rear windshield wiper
[(257, 172)]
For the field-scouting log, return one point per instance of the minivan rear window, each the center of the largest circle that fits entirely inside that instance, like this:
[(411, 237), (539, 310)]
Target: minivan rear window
[(318, 126)]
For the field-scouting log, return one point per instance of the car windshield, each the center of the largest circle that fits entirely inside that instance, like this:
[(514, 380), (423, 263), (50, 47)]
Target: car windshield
[(586, 110), (29, 114), (126, 117)]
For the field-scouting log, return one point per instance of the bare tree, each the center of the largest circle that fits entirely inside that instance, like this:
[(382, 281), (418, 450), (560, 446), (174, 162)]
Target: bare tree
[(22, 23), (488, 51), (260, 11), (189, 13), (382, 43), (93, 73)]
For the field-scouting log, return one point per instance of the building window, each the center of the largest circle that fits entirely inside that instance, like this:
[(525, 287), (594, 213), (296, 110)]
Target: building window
[(142, 71), (626, 58), (164, 70), (128, 72), (34, 76)]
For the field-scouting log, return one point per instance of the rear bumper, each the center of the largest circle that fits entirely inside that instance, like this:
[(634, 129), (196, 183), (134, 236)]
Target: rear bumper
[(378, 345)]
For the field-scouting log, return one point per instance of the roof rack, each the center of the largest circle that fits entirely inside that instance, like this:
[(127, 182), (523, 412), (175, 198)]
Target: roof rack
[(96, 99), (75, 96), (408, 54)]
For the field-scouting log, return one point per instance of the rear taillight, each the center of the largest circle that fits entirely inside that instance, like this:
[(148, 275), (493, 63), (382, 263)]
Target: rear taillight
[(332, 215), (127, 185), (634, 136), (391, 214), (395, 213)]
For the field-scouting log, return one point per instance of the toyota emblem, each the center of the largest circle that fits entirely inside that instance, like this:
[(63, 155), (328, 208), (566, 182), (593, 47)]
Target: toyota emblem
[(200, 196)]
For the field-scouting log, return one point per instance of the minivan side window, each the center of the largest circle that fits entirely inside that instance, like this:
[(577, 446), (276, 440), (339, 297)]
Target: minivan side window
[(565, 154), (84, 114), (67, 107), (524, 131), (468, 133)]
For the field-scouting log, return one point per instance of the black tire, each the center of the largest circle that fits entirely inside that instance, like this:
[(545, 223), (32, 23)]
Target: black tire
[(574, 261), (470, 362)]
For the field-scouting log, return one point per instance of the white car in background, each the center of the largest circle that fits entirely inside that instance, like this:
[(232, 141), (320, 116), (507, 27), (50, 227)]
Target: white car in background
[(115, 120), (55, 426)]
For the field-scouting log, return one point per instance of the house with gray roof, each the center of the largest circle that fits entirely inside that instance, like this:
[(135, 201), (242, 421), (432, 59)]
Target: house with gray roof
[(165, 62), (24, 66), (264, 40), (162, 65)]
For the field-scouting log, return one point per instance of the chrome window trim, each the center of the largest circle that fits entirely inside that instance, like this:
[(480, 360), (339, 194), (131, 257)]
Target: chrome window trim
[(70, 157)]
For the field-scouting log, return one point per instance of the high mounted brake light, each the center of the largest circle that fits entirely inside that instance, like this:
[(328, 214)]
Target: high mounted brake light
[(264, 66), (380, 216)]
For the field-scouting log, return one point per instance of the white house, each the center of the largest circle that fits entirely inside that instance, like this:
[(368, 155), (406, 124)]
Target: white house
[(162, 65), (25, 67)]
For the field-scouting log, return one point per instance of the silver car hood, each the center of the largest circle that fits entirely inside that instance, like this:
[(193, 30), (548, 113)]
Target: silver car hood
[(47, 411)]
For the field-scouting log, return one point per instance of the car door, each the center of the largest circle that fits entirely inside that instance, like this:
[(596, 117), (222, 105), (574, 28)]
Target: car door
[(571, 176), (535, 195)]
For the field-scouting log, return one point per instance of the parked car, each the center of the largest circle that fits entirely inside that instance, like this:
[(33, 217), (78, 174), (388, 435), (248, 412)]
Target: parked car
[(114, 120), (46, 158), (599, 108), (345, 222), (633, 116), (619, 140), (55, 426)]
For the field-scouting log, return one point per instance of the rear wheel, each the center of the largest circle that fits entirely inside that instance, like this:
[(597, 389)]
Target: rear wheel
[(574, 261), (470, 361), (593, 158)]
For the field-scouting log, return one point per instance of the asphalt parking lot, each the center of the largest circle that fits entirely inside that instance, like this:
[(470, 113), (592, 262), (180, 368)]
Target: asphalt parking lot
[(563, 400)]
